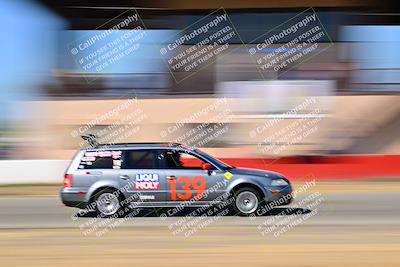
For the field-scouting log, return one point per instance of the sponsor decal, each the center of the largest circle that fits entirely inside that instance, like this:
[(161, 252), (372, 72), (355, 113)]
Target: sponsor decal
[(88, 158), (228, 175), (147, 181), (81, 167), (91, 154), (116, 154), (147, 197), (104, 154), (117, 163)]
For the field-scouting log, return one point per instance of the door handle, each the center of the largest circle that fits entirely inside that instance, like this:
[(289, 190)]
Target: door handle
[(124, 177), (94, 173), (171, 177)]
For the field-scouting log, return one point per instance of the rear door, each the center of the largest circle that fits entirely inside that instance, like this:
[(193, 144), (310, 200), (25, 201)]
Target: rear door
[(141, 177), (97, 165)]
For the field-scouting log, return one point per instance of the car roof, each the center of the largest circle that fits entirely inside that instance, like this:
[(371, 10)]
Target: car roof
[(122, 146)]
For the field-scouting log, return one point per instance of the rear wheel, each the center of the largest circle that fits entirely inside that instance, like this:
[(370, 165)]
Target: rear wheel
[(107, 203), (246, 201)]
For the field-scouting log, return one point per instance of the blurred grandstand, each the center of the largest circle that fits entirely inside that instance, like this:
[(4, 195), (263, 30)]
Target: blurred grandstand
[(354, 79)]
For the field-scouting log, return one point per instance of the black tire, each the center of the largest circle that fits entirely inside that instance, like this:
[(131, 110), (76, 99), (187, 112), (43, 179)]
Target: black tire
[(110, 198), (240, 196)]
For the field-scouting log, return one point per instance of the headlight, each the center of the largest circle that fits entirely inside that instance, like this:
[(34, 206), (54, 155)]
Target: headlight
[(279, 182)]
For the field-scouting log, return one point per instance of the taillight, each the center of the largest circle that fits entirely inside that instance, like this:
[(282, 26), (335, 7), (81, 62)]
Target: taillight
[(68, 180)]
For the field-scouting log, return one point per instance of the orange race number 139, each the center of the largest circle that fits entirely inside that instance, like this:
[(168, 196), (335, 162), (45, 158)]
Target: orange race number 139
[(198, 183)]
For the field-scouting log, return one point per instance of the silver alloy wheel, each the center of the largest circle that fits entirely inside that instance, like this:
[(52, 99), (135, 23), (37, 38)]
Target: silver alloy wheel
[(108, 203), (246, 202)]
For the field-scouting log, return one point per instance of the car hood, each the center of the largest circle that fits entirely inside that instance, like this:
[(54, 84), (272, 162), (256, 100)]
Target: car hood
[(255, 172)]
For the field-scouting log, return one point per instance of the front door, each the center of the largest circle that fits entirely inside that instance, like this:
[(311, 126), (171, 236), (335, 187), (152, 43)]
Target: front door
[(187, 181)]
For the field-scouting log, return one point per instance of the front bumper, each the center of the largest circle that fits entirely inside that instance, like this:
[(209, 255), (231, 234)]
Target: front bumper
[(280, 195), (73, 197)]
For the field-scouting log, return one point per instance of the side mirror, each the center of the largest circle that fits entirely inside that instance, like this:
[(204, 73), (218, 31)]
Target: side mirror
[(206, 166)]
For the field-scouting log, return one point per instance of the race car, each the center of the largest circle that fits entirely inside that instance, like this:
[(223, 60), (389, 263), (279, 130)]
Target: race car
[(148, 175)]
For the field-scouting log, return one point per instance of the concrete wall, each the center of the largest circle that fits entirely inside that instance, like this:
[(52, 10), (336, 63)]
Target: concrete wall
[(32, 171), (340, 167)]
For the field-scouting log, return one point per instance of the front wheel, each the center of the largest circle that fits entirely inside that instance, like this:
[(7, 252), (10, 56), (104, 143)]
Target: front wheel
[(246, 201)]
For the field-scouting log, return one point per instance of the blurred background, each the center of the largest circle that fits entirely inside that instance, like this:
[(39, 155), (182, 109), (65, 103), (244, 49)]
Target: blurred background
[(323, 111), (348, 89)]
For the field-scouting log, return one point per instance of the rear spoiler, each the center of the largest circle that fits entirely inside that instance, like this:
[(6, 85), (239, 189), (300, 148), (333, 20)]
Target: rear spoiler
[(90, 139)]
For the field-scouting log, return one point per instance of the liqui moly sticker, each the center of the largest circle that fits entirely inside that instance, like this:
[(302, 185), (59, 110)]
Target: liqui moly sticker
[(147, 181)]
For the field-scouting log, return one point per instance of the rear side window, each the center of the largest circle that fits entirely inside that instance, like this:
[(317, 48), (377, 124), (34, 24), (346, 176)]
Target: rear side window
[(140, 159), (103, 159), (175, 159)]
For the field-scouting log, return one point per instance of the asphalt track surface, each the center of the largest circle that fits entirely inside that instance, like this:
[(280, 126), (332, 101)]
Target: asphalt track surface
[(340, 229)]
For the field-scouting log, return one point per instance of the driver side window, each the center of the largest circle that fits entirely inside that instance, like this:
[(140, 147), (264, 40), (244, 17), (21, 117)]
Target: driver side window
[(182, 160)]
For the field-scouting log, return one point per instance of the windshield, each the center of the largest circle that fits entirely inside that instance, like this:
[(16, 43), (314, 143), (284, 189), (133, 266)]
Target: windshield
[(218, 162)]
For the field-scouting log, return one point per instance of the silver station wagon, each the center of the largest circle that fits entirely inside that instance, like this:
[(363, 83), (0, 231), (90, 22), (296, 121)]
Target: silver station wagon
[(147, 175)]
